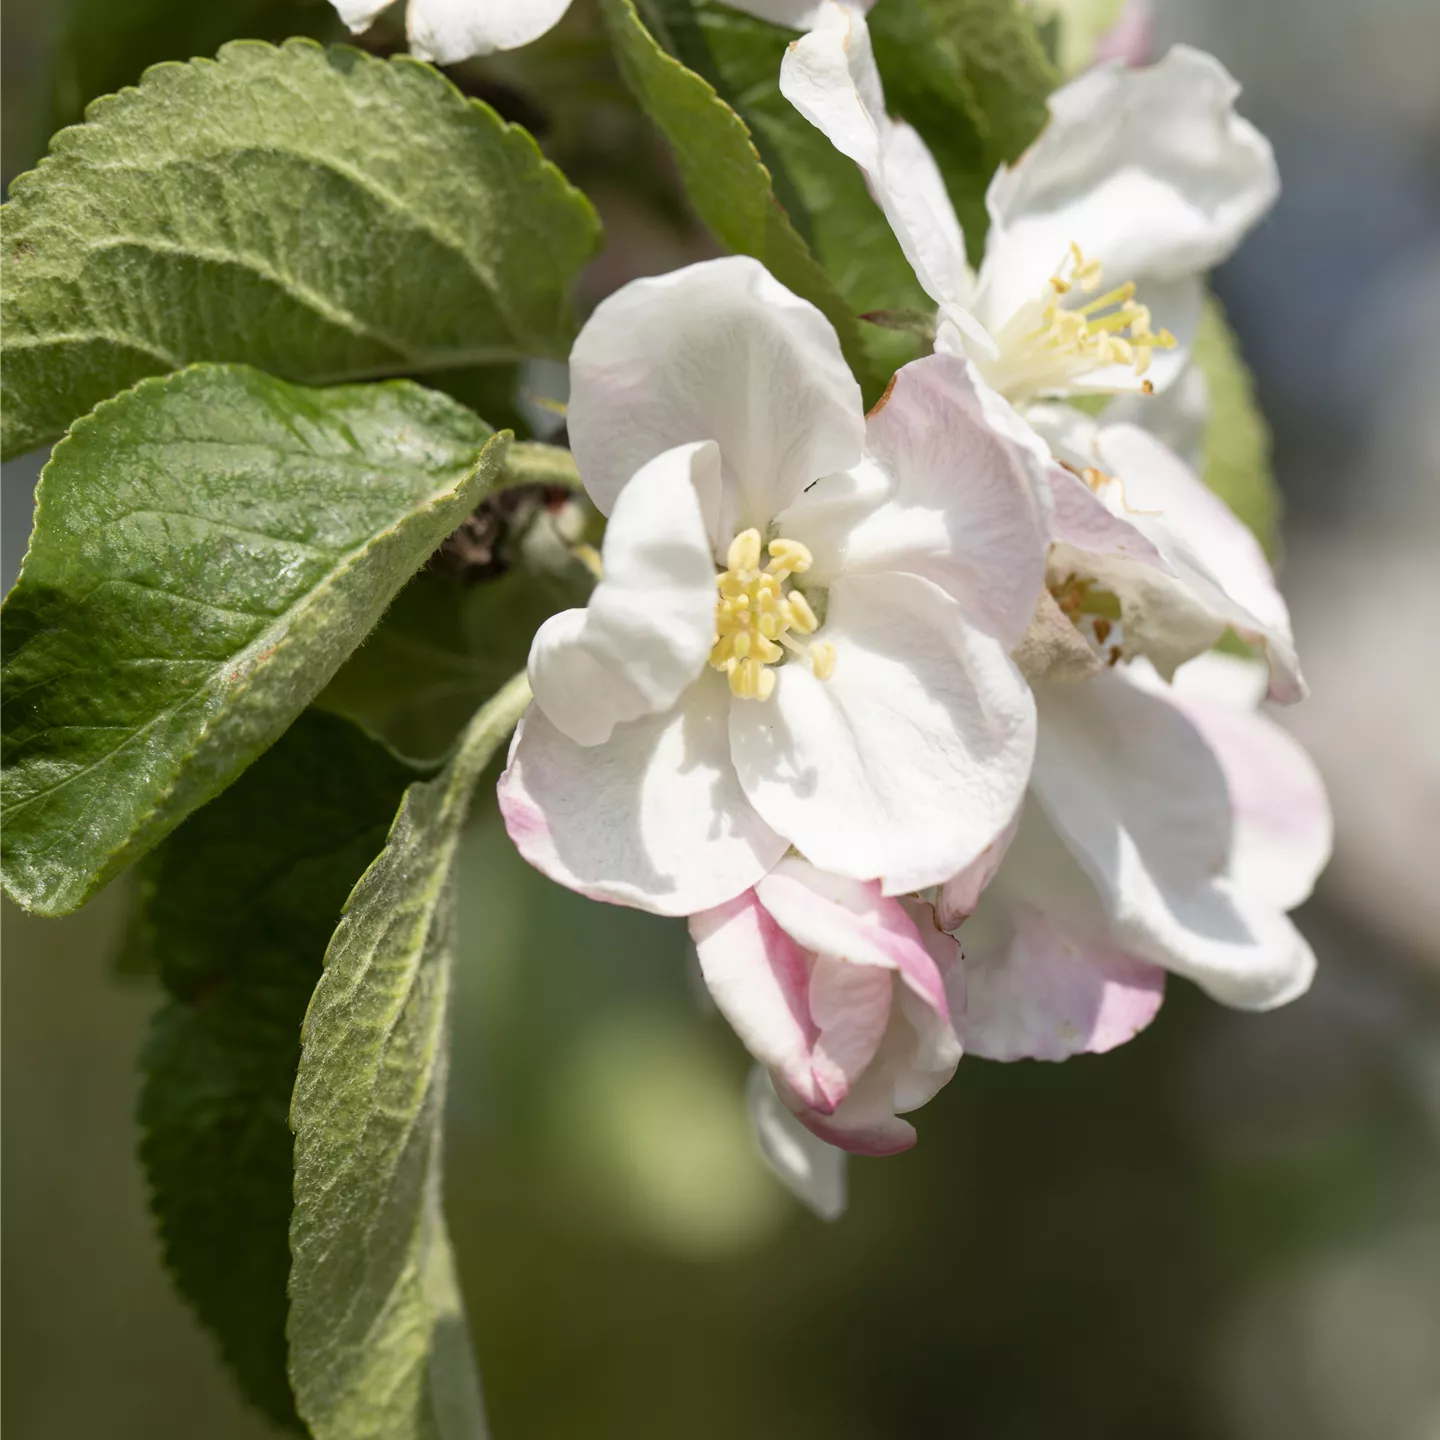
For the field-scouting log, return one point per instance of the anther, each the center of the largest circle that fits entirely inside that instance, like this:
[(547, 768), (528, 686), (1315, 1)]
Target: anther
[(744, 551)]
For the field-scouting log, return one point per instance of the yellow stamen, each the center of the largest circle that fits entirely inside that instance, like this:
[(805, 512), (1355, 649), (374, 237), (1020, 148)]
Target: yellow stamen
[(754, 613)]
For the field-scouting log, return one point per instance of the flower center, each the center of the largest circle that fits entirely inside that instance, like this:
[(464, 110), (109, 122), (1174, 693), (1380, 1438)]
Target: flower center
[(1093, 611), (1052, 344), (757, 619)]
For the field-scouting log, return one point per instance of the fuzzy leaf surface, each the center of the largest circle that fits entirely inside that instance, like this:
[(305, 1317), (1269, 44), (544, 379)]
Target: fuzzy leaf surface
[(237, 909), (315, 212), (379, 1347), (208, 549)]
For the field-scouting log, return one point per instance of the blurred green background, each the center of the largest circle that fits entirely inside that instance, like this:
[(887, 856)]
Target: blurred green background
[(1227, 1230)]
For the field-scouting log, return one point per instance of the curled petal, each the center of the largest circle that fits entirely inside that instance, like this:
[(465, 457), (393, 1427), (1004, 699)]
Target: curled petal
[(719, 351), (1141, 801), (1150, 171), (759, 979), (952, 490), (1284, 831), (448, 31), (831, 78), (910, 758), (1218, 560), (1052, 992), (812, 1170), (654, 817), (646, 633)]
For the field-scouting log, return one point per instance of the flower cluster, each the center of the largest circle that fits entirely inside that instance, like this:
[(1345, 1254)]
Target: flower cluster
[(856, 691)]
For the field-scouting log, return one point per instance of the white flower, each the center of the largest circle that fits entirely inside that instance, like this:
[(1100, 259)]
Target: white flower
[(869, 714), (1167, 828), (839, 993), (1147, 560), (448, 31), (1099, 233)]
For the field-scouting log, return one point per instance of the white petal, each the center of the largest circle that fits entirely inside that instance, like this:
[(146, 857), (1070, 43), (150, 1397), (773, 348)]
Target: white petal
[(358, 14), (1142, 803), (811, 1170), (653, 818), (949, 491), (910, 759), (718, 351), (1176, 415), (650, 623), (1219, 561), (1150, 171), (797, 14), (1052, 993), (830, 77), (448, 31), (1283, 827)]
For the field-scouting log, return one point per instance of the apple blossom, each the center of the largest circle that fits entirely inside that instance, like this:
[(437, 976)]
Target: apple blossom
[(802, 632), (839, 992), (448, 31), (1147, 560), (1099, 234), (1167, 828)]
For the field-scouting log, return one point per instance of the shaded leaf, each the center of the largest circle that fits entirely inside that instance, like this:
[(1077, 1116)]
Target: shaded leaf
[(238, 907), (724, 176), (208, 549), (316, 212), (379, 1348), (972, 77), (102, 46), (442, 648), (1236, 455)]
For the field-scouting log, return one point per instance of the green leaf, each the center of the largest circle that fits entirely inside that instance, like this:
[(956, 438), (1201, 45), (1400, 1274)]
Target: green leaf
[(379, 1348), (238, 906), (208, 548), (316, 212), (724, 176), (972, 77), (1237, 464), (822, 191), (102, 46)]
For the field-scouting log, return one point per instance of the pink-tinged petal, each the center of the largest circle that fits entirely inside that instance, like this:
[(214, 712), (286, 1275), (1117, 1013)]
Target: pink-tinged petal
[(1052, 993), (1284, 831), (910, 758), (1141, 802), (851, 1006), (950, 491), (830, 77), (813, 1171), (716, 351), (1150, 171), (760, 982), (869, 1131), (1131, 39), (960, 895), (654, 818), (646, 633), (448, 31), (1215, 555), (851, 920)]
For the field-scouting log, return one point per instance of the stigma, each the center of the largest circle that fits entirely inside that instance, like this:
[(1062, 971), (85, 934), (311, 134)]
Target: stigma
[(1057, 341), (757, 620)]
